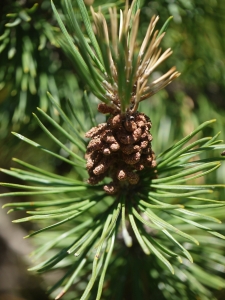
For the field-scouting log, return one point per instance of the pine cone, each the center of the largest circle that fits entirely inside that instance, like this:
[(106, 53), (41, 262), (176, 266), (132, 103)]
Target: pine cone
[(119, 149)]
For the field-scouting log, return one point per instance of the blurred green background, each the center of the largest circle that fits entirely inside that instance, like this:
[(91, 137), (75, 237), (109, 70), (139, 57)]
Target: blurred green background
[(32, 63)]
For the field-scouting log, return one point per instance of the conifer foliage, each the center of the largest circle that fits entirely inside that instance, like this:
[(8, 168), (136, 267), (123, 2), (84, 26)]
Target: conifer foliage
[(125, 222)]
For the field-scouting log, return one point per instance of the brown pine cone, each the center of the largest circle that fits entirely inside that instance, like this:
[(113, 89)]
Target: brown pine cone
[(119, 149)]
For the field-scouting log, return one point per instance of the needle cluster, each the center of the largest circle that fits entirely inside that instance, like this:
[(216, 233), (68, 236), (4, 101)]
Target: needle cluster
[(129, 66)]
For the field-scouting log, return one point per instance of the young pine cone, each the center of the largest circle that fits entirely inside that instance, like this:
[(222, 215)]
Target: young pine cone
[(119, 149)]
